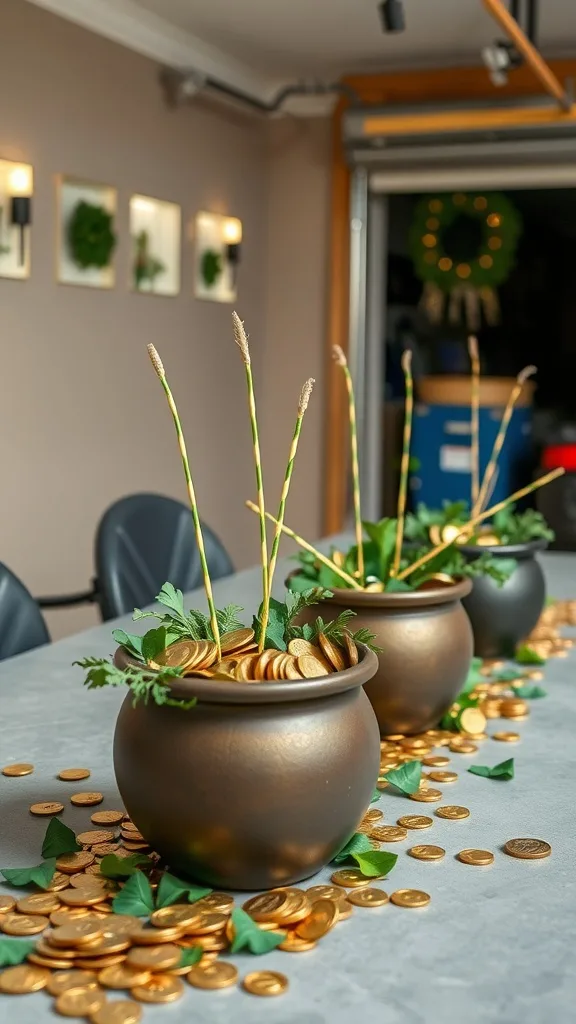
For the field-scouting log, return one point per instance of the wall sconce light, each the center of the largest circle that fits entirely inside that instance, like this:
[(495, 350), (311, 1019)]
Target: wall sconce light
[(232, 238), (20, 186), (392, 16)]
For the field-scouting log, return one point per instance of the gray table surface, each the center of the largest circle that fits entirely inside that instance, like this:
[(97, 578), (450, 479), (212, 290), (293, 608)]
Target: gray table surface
[(495, 944)]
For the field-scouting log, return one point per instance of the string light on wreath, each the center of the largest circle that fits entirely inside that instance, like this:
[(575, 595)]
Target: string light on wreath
[(463, 247)]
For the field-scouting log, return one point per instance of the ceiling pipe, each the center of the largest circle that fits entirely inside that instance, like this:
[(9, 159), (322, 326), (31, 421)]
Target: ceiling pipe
[(520, 40), (181, 86)]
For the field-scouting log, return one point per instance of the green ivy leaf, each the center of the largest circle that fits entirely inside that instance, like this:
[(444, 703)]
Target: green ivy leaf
[(130, 641), (504, 770), (406, 778), (59, 839), (247, 935), (135, 897), (153, 642), (359, 843), (375, 864), (14, 951), (172, 889), (530, 692), (526, 655), (112, 866), (41, 874), (191, 956)]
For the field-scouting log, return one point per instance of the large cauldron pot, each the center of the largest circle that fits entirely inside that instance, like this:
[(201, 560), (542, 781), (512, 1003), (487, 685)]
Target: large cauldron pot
[(426, 644), (258, 785), (502, 616)]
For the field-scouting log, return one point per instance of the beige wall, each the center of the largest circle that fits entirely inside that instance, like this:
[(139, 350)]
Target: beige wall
[(82, 419)]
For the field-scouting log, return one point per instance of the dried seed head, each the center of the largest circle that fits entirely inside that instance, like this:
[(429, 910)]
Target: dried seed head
[(240, 338), (305, 396), (338, 356), (407, 361), (156, 361), (528, 371), (473, 348)]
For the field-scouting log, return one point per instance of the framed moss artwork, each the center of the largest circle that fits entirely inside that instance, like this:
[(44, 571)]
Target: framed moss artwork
[(86, 233)]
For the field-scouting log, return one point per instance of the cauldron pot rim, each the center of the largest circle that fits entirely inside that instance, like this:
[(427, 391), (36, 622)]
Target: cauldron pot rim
[(402, 600), (216, 691), (518, 551)]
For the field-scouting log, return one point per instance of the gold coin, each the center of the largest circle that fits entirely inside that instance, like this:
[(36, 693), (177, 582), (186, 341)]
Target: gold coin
[(181, 654), (6, 903), (235, 639), (15, 981), (63, 980), (94, 836), (410, 898), (291, 669), (70, 863), (86, 799), (106, 817), (162, 988), (22, 924), (16, 770), (108, 945), (351, 649), (74, 774), (298, 647), (298, 907), (350, 878), (368, 897), (79, 1002), (210, 976), (64, 915), (77, 933), (480, 857), (452, 811), (388, 833), (178, 915), (53, 962), (38, 903), (506, 737), (122, 924), (84, 896), (52, 953), (265, 983), (267, 906), (58, 881), (120, 1011), (514, 707), (345, 909), (528, 849), (154, 958), (462, 747), (245, 668), (123, 976), (427, 852), (426, 796), (415, 821), (154, 936), (101, 849), (312, 668), (331, 652), (330, 892), (49, 807), (472, 720), (374, 814), (443, 776), (98, 963), (322, 918), (220, 902), (292, 943)]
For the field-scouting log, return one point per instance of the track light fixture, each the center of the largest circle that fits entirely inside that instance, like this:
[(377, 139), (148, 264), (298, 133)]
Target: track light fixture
[(392, 15)]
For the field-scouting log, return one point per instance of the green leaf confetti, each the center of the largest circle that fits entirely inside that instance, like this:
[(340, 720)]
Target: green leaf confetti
[(135, 897), (112, 866), (359, 843), (247, 935), (14, 951), (59, 839), (41, 874), (172, 889), (406, 778), (504, 770), (191, 956), (375, 864), (526, 655), (530, 692)]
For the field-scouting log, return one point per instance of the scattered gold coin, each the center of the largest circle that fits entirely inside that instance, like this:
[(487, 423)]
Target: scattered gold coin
[(144, 936), (86, 799), (462, 748), (374, 814), (154, 958), (472, 720), (415, 821), (427, 852), (22, 924), (443, 776), (410, 898), (388, 833), (46, 808), (70, 863), (310, 667), (63, 980), (77, 933), (331, 652), (452, 811), (478, 857), (6, 903), (84, 896), (528, 849), (350, 878), (265, 983), (435, 761), (58, 881), (210, 976), (330, 892), (94, 836), (292, 943), (74, 774), (427, 796), (121, 976), (80, 1002), (178, 915), (38, 903), (221, 902), (368, 897), (16, 770), (107, 817), (53, 962), (162, 988), (25, 978), (235, 639), (506, 737), (267, 906), (322, 918), (120, 1011)]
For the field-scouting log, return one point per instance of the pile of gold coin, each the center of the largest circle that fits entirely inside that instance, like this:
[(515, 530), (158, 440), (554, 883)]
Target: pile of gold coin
[(241, 661)]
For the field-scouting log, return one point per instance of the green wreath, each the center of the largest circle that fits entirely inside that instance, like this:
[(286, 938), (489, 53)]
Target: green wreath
[(90, 236), (464, 239)]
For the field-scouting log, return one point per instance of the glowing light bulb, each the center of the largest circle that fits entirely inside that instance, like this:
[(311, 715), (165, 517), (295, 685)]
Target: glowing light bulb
[(20, 181), (232, 231)]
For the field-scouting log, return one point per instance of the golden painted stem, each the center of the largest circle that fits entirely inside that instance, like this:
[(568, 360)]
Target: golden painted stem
[(475, 420), (501, 435), (308, 547), (340, 358), (405, 464), (480, 518), (158, 366)]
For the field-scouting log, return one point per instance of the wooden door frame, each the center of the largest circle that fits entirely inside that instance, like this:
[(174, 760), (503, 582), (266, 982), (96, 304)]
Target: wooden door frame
[(418, 87)]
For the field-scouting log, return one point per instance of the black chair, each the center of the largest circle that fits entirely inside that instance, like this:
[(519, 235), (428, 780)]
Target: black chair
[(21, 624)]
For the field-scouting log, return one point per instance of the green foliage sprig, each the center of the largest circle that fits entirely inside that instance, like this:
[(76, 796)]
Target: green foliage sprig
[(520, 527), (90, 235), (144, 684)]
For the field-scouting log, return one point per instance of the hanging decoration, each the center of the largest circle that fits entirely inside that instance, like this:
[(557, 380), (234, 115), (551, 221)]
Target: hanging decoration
[(463, 247)]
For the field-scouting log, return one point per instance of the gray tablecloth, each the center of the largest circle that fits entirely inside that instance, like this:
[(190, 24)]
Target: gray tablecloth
[(495, 944)]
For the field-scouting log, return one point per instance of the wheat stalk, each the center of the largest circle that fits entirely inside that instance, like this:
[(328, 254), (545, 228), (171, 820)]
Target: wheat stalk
[(475, 420), (158, 366), (405, 464), (341, 361)]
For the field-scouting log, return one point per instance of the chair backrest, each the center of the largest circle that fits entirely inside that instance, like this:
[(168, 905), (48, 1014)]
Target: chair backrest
[(145, 540), (21, 624)]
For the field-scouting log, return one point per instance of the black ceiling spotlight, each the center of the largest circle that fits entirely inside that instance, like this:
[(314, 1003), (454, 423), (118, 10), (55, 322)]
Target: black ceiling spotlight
[(392, 15)]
